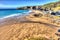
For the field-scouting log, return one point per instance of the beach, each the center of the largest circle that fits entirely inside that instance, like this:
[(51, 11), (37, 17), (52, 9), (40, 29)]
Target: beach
[(30, 20), (26, 27)]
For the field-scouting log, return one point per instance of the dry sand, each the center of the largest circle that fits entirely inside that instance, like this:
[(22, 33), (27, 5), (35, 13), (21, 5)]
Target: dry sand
[(21, 28)]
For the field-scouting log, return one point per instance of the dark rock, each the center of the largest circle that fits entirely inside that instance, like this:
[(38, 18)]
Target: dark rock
[(53, 13), (38, 15)]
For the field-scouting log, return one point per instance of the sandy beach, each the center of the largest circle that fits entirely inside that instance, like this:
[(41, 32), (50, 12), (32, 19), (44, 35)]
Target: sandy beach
[(26, 27)]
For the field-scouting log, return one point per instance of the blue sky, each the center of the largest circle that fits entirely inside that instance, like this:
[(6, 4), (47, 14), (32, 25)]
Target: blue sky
[(20, 3)]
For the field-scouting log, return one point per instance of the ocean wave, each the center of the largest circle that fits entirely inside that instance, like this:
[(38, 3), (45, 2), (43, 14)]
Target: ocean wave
[(15, 15), (10, 16), (27, 12)]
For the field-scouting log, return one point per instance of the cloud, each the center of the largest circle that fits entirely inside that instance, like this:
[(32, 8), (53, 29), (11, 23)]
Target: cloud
[(8, 6)]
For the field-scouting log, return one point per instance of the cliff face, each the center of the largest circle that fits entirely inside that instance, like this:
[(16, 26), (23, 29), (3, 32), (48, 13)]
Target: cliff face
[(28, 7), (49, 6)]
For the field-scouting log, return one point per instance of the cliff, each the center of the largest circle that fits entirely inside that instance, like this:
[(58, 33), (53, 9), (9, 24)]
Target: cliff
[(50, 6)]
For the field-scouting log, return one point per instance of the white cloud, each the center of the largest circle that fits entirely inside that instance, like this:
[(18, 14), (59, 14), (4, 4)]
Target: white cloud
[(7, 6)]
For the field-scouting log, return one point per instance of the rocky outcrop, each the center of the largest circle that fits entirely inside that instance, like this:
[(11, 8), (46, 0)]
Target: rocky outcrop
[(48, 6), (29, 7)]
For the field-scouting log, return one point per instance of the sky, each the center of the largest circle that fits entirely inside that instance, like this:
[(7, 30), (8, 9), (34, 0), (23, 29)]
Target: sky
[(21, 3)]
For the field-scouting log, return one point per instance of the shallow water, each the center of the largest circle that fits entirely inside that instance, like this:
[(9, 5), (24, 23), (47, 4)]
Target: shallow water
[(12, 12)]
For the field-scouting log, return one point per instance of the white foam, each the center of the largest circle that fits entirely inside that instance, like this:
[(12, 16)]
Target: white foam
[(10, 16), (28, 11)]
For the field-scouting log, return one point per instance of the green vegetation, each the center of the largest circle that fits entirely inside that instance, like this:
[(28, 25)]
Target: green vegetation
[(52, 5)]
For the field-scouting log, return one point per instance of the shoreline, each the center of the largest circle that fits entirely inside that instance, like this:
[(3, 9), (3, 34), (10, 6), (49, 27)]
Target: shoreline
[(17, 14), (23, 26), (15, 18)]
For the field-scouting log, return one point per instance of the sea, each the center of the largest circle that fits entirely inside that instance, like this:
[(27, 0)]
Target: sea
[(5, 13)]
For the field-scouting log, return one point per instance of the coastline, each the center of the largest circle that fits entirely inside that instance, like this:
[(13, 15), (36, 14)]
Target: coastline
[(29, 20), (12, 15), (21, 28), (14, 18), (15, 14)]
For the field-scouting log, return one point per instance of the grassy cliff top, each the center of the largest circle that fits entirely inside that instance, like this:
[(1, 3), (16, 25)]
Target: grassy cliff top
[(53, 6)]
